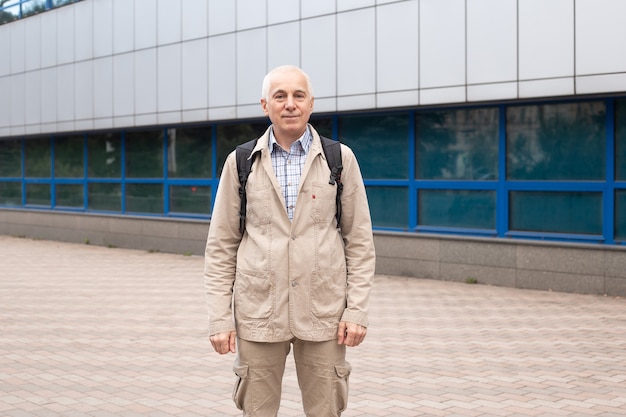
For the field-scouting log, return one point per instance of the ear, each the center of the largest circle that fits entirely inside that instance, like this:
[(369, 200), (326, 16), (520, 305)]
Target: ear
[(264, 106)]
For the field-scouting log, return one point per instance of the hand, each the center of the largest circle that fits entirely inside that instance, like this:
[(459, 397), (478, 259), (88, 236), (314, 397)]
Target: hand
[(224, 342), (350, 334)]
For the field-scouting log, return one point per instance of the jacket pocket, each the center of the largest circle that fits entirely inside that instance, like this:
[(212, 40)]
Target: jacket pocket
[(328, 293), (241, 385), (254, 295), (258, 206), (324, 205)]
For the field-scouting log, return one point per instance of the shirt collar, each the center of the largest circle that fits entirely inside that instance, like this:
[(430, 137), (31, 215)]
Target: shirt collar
[(305, 140)]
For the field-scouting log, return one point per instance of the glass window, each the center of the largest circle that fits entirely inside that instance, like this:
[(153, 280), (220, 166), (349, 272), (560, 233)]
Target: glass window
[(104, 196), (38, 194), (457, 144), (472, 209), (189, 153), (37, 158), (190, 199), (104, 155), (620, 139), (556, 212), (620, 215), (389, 206), (144, 154), (9, 13), (57, 3), (323, 125), (556, 141), (144, 198), (10, 193), (10, 158), (229, 136), (32, 7), (379, 142), (68, 157), (69, 195)]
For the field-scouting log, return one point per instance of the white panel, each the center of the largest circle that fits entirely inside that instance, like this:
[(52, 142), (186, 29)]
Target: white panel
[(145, 24), (32, 43), (146, 119), (49, 95), (18, 46), (5, 49), (102, 28), (251, 65), (5, 101), (194, 116), (123, 81), (65, 35), (546, 39), (343, 5), (123, 121), (325, 105), (491, 41), (600, 34), (442, 95), (169, 117), (222, 70), (169, 78), (546, 88), (356, 63), (103, 87), (48, 39), (250, 111), (18, 101), (251, 14), (222, 16), (319, 55), (318, 8), (279, 11), (65, 98), (223, 113), (83, 90), (145, 89), (397, 47), (32, 103), (499, 91), (283, 45), (83, 30), (601, 83), (195, 19), (442, 43), (123, 26), (194, 79), (169, 27), (364, 101), (397, 99)]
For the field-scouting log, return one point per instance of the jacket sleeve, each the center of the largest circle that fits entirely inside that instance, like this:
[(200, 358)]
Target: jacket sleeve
[(356, 229), (220, 256)]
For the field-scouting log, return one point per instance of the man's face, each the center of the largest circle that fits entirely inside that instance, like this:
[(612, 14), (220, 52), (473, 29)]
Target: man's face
[(289, 105)]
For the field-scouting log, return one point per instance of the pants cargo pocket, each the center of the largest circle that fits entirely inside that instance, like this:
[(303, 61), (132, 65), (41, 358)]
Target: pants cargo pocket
[(241, 385), (341, 386)]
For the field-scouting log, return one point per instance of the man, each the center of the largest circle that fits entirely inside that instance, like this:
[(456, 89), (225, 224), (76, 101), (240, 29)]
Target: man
[(293, 278)]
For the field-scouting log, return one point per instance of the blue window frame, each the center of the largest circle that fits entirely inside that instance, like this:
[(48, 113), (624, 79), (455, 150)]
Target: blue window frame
[(547, 170), (11, 10)]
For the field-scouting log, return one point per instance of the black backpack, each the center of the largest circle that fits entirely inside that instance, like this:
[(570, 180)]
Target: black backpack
[(332, 150)]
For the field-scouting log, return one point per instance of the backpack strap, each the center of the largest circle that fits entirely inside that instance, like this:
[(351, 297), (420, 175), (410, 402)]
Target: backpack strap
[(245, 159), (332, 150), (244, 166)]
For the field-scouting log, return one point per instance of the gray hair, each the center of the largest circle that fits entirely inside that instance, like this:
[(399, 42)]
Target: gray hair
[(267, 81)]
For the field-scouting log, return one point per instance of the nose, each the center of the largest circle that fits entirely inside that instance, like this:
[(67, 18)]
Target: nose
[(290, 103)]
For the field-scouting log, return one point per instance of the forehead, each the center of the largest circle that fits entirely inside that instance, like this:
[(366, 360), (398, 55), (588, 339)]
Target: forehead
[(288, 81)]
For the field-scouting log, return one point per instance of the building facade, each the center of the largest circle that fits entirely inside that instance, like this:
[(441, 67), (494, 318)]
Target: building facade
[(491, 133)]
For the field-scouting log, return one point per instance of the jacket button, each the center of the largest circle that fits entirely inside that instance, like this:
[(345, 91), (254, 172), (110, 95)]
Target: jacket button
[(294, 284)]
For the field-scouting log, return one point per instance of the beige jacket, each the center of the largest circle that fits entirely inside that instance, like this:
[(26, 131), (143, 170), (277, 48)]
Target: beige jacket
[(289, 278)]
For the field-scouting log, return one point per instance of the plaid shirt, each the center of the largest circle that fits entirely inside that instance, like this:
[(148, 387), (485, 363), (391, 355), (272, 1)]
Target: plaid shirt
[(288, 167)]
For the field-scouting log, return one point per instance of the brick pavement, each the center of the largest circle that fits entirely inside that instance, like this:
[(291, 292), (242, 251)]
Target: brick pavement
[(94, 331)]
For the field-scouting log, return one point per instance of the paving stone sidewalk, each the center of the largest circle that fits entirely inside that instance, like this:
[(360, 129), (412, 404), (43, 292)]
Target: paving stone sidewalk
[(95, 331)]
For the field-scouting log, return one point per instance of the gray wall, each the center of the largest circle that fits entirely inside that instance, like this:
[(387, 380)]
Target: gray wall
[(587, 269)]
